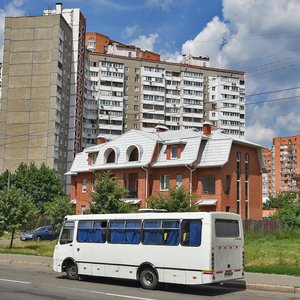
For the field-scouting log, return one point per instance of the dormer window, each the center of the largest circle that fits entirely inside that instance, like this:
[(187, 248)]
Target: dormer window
[(92, 157), (133, 153), (174, 151), (110, 156)]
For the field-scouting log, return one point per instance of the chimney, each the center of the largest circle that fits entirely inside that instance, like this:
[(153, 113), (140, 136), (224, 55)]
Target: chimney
[(207, 128), (101, 140), (58, 8), (161, 128)]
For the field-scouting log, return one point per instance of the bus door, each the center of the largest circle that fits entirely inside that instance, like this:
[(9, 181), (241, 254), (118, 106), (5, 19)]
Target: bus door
[(64, 247)]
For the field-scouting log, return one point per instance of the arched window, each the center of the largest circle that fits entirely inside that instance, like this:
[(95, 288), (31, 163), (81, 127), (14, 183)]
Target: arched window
[(110, 156), (133, 153)]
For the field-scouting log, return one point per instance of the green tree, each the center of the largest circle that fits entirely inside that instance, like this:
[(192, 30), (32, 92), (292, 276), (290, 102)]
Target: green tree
[(57, 209), (16, 210), (178, 200), (6, 179), (42, 183), (108, 195), (280, 200), (287, 208)]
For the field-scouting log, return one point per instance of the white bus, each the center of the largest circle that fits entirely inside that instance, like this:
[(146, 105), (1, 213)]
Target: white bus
[(181, 248)]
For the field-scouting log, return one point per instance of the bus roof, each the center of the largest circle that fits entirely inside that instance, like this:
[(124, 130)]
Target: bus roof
[(152, 215)]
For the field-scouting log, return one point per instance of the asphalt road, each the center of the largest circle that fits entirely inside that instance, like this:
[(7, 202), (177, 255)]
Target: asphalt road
[(36, 283)]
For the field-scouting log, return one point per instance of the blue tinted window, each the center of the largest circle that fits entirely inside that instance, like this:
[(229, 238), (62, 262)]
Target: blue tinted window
[(125, 232), (91, 232), (164, 232), (191, 231)]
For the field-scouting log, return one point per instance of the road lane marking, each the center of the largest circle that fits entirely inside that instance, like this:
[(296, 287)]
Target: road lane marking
[(15, 281), (110, 294)]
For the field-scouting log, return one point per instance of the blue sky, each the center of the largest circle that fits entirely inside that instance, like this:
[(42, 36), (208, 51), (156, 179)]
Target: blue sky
[(259, 37)]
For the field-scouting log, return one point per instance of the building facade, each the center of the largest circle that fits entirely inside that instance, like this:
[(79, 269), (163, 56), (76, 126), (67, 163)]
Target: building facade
[(42, 90), (224, 174), (126, 88), (283, 164)]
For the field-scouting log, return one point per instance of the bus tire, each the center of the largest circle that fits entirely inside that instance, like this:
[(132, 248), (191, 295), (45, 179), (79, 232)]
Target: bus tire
[(72, 271), (148, 279)]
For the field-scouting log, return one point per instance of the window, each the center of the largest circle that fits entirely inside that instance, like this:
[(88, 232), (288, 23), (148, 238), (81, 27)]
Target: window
[(238, 181), (174, 151), (84, 181), (246, 185), (191, 233), (133, 153), (178, 180), (91, 231), (111, 157), (227, 186), (67, 233), (161, 232), (208, 184), (227, 228), (125, 232), (94, 157), (164, 182)]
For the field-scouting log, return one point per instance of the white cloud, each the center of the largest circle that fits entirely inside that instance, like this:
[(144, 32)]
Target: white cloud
[(129, 31), (258, 133), (145, 42), (261, 38), (12, 9)]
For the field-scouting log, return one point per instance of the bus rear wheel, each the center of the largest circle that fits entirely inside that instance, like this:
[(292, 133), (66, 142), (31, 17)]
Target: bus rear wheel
[(72, 271), (148, 279)]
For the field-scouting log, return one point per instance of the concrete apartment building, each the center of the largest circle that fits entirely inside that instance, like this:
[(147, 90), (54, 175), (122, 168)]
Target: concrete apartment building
[(223, 173), (42, 89), (127, 88), (283, 164)]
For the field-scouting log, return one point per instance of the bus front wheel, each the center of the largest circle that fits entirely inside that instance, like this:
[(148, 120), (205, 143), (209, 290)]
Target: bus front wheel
[(72, 271), (148, 279)]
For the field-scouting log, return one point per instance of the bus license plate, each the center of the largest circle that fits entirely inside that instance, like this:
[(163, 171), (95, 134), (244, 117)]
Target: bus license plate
[(228, 273)]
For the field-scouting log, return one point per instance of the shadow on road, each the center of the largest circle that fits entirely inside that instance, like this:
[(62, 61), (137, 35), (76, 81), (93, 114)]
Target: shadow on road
[(201, 290)]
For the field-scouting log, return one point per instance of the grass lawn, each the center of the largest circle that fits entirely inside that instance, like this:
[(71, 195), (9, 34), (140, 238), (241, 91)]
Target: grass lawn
[(273, 253), (277, 253)]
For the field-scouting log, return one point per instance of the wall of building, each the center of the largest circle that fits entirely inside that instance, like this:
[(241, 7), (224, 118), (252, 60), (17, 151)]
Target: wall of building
[(35, 94), (226, 201)]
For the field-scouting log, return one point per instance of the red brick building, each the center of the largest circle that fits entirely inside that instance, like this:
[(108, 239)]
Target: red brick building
[(223, 173)]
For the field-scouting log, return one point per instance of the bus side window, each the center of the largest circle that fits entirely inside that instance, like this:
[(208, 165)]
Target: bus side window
[(91, 231), (191, 233), (67, 233)]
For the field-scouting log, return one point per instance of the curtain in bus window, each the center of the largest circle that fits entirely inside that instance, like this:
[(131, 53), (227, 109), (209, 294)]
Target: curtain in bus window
[(133, 232), (117, 232), (153, 233), (173, 234), (195, 233), (85, 232), (99, 232)]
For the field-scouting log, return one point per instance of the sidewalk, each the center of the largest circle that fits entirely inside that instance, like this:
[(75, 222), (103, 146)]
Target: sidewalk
[(257, 281)]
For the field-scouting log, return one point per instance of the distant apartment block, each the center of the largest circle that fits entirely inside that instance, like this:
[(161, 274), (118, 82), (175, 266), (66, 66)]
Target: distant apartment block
[(127, 88), (283, 164)]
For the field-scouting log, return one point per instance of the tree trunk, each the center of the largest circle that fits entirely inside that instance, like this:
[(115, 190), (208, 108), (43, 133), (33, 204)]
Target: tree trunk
[(12, 238)]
